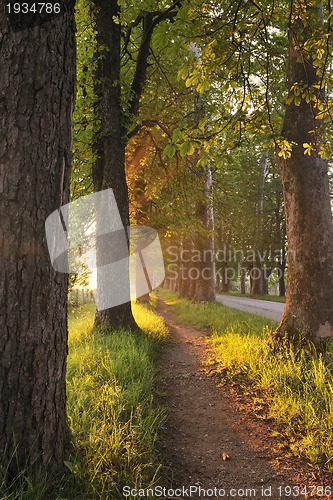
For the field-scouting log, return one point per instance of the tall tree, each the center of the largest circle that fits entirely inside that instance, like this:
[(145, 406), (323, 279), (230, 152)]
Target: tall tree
[(253, 48), (37, 85), (309, 310), (118, 113), (257, 282), (109, 167), (204, 241)]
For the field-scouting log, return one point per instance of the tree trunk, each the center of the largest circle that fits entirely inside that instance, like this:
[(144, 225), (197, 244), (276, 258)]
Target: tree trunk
[(185, 271), (112, 173), (225, 284), (117, 120), (205, 282), (282, 269), (266, 272), (308, 312), (257, 283), (140, 214), (242, 280), (203, 290), (256, 276), (37, 82), (282, 284)]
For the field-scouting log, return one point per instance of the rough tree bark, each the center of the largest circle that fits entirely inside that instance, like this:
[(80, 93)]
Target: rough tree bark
[(205, 282), (109, 171), (37, 89), (308, 312), (204, 241), (282, 268)]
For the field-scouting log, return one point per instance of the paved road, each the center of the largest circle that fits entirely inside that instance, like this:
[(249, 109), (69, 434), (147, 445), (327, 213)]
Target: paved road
[(266, 308)]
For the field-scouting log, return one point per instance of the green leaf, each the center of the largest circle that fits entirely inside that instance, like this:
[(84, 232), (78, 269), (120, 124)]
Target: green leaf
[(170, 150), (183, 12), (202, 124), (186, 149), (176, 135), (161, 39), (182, 74), (203, 86), (203, 162)]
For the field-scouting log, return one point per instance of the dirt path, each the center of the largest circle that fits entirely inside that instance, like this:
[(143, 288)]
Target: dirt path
[(205, 421)]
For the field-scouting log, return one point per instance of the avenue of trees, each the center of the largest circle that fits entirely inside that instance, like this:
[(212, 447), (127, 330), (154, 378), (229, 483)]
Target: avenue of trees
[(211, 121)]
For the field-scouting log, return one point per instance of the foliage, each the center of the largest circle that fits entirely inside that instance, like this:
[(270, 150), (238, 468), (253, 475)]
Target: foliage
[(85, 122), (244, 49), (236, 207), (111, 407), (172, 146)]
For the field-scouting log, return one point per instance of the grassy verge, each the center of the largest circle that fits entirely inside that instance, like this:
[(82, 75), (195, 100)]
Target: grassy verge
[(292, 387), (110, 405), (113, 416), (271, 298)]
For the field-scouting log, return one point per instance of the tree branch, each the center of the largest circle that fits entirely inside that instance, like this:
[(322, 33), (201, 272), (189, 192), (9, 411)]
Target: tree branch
[(149, 123), (149, 21)]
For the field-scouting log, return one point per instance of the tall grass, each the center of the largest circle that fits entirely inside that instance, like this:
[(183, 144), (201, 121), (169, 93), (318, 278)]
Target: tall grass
[(212, 316), (292, 386), (111, 408), (110, 403)]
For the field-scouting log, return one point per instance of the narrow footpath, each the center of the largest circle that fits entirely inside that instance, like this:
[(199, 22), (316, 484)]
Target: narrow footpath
[(212, 440)]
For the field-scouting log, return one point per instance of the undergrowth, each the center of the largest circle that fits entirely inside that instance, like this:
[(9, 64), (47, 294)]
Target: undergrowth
[(110, 403), (295, 388), (111, 409)]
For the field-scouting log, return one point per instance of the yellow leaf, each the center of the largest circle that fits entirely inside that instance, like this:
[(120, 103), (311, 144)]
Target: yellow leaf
[(308, 148)]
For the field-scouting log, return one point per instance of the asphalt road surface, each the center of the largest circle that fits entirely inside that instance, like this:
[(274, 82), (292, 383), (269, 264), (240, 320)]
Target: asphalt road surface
[(266, 308)]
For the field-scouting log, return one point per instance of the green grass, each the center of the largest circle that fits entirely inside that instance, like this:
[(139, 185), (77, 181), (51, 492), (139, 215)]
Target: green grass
[(111, 407), (213, 316), (22, 488), (289, 386), (271, 298)]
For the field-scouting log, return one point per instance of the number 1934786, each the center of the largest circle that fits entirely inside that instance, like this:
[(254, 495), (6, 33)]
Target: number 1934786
[(33, 8)]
